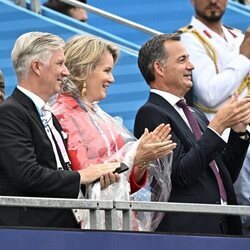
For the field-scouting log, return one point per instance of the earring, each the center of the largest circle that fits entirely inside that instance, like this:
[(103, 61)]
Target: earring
[(84, 89)]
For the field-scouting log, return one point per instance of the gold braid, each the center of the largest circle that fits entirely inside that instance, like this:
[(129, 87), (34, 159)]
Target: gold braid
[(212, 54)]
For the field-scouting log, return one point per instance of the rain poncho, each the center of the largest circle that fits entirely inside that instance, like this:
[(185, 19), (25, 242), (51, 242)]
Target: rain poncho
[(96, 137)]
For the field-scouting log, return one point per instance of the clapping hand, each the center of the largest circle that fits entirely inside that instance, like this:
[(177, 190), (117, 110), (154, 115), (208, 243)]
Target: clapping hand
[(241, 126), (233, 114), (154, 145)]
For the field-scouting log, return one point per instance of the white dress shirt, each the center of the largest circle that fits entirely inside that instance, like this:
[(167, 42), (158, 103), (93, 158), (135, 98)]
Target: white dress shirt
[(172, 99)]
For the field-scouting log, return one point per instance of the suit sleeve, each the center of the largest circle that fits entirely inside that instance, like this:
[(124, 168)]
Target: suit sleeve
[(234, 154), (23, 158), (190, 159)]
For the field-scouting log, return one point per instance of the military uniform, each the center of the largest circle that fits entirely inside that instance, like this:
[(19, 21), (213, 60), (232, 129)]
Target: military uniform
[(219, 68)]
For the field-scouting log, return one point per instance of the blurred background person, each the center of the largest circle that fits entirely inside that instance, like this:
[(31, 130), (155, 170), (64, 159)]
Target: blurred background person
[(220, 55), (246, 2), (69, 10)]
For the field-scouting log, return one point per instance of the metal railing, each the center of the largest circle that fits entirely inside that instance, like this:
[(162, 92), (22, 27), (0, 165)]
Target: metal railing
[(110, 206), (35, 6), (127, 207)]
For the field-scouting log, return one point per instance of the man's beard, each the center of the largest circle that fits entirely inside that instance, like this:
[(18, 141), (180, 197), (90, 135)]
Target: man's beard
[(212, 18)]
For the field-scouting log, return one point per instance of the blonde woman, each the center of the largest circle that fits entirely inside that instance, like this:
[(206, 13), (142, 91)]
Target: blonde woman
[(93, 135)]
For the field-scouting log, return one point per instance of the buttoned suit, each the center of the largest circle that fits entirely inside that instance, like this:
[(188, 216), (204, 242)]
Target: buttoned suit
[(28, 166), (192, 179)]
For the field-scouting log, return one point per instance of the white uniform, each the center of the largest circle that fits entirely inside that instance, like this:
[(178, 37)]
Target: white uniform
[(211, 88)]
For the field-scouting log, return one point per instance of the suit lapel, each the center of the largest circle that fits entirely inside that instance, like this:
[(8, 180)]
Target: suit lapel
[(202, 123), (180, 127), (29, 106)]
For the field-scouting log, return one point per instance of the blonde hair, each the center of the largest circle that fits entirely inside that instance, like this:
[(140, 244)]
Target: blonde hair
[(82, 54), (33, 45)]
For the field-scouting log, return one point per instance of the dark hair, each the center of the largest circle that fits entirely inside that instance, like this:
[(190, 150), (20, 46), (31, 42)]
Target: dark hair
[(60, 6), (154, 51)]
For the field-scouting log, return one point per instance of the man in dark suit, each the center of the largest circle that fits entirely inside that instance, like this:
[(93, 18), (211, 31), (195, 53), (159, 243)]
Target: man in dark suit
[(32, 162), (165, 65)]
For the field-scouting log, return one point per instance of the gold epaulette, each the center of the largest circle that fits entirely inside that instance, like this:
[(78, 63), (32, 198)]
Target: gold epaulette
[(184, 29), (233, 29)]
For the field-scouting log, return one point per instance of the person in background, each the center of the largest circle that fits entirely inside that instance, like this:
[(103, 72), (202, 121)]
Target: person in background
[(2, 87), (221, 56), (246, 2), (93, 135), (69, 10), (204, 166), (33, 157)]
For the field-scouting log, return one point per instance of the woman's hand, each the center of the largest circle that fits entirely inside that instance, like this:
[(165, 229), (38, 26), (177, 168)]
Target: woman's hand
[(104, 172), (155, 144)]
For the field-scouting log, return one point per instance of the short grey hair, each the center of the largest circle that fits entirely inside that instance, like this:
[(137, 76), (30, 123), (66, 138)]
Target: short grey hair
[(33, 45)]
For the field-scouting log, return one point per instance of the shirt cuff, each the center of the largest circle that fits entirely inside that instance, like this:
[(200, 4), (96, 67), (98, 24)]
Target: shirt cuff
[(225, 134), (134, 185)]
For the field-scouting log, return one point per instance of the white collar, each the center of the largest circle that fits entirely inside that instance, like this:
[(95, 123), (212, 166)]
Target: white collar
[(39, 103), (172, 99)]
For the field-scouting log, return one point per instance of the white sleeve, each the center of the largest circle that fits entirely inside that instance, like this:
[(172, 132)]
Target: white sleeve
[(210, 88)]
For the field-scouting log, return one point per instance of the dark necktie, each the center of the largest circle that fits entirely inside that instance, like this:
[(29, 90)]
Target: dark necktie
[(197, 133)]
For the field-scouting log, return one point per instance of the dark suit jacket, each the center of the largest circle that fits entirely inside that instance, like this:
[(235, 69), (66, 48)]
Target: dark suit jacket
[(28, 166), (192, 179)]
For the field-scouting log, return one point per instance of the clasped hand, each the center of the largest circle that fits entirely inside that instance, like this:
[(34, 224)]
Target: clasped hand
[(104, 172)]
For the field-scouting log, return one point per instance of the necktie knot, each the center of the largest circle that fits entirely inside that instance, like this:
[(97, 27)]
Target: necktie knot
[(182, 103), (190, 117), (46, 113)]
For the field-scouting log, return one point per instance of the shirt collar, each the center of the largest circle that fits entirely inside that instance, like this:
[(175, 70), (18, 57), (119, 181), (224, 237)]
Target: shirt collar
[(39, 103), (199, 25), (172, 99)]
